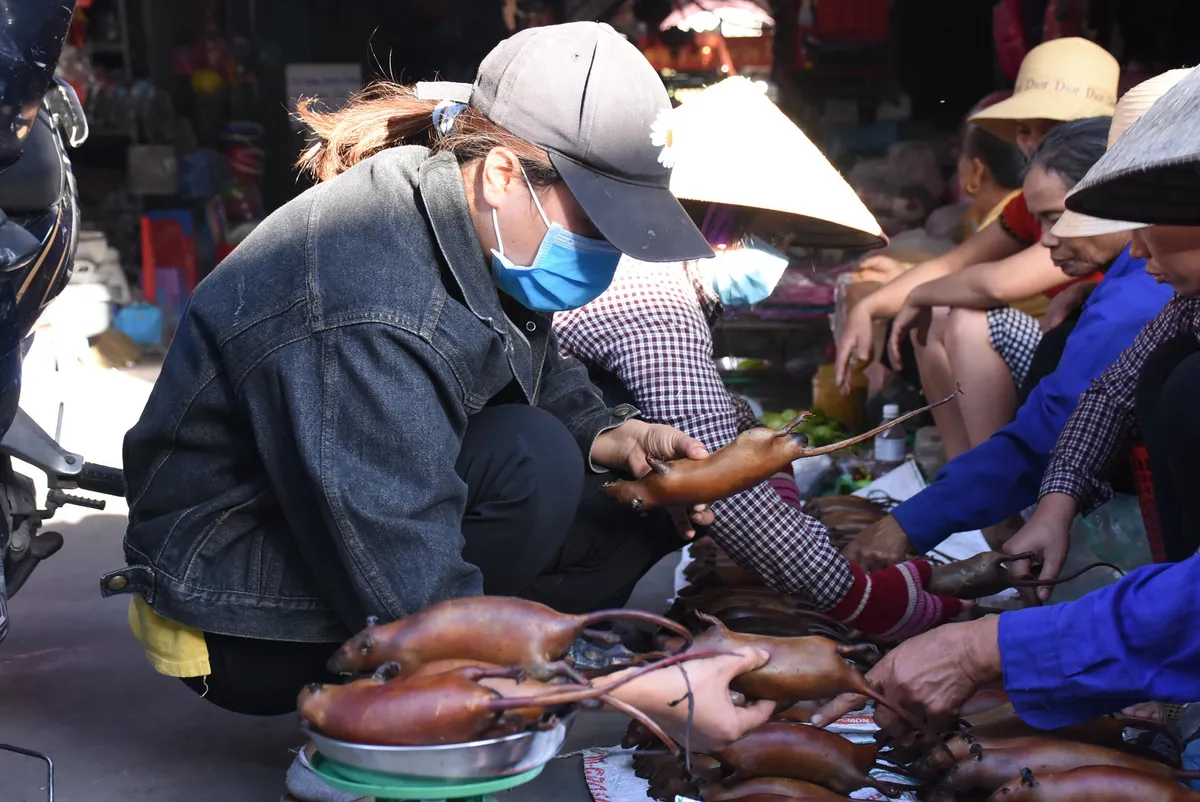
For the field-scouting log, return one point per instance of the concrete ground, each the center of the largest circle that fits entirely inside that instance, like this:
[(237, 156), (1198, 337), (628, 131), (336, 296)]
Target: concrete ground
[(73, 683)]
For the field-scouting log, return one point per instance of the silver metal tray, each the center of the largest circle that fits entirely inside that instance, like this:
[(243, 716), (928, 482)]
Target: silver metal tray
[(497, 757)]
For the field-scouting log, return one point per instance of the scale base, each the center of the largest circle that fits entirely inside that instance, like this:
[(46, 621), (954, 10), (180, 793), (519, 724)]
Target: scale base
[(388, 787)]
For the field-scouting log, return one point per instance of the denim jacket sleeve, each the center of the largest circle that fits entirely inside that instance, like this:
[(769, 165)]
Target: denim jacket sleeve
[(379, 457), (568, 394)]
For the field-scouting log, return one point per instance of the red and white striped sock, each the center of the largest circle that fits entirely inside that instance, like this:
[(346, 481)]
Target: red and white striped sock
[(893, 602)]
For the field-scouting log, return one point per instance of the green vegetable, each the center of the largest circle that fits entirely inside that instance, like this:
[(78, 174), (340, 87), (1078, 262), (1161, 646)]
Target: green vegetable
[(820, 429)]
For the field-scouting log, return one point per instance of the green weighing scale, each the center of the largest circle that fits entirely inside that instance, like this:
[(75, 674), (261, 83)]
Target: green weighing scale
[(387, 787)]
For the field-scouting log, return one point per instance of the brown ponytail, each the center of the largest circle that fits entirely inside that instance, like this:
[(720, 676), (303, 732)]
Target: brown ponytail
[(387, 115)]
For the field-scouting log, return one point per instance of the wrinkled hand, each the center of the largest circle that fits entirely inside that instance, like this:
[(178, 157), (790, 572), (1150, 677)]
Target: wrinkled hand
[(1066, 302), (855, 343), (910, 318), (716, 722), (931, 676), (881, 545), (632, 447), (1047, 536), (879, 267)]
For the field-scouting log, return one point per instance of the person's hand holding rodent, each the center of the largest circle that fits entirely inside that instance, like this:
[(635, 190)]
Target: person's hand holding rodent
[(855, 343), (716, 722), (1047, 536), (931, 676), (631, 446), (880, 545)]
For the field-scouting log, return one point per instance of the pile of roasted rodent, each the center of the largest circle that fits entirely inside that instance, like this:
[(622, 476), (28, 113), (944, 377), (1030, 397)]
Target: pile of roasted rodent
[(992, 755), (479, 667), (446, 674)]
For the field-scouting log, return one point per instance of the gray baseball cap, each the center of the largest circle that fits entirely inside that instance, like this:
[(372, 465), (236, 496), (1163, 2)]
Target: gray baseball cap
[(591, 100)]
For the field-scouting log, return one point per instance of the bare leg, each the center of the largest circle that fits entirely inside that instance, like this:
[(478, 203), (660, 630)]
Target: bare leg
[(938, 381), (989, 395)]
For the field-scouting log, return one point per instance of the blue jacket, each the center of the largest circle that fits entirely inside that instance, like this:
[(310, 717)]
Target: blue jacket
[(1135, 641), (1002, 476), (294, 468)]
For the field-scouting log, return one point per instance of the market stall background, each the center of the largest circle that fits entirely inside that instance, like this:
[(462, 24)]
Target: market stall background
[(193, 144)]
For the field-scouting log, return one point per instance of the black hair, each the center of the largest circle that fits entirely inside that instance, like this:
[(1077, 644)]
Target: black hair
[(1070, 149), (1003, 159)]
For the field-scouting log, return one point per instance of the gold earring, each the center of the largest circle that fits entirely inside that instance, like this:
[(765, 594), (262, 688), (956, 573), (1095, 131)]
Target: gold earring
[(972, 188)]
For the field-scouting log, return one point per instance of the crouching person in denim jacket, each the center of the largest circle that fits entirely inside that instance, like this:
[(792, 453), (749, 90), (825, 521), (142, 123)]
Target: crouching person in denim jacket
[(364, 411)]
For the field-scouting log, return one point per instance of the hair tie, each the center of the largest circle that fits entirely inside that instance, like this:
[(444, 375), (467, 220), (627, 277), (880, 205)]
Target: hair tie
[(444, 114)]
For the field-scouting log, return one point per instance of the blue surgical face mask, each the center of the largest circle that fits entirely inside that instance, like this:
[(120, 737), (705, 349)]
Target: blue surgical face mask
[(747, 275), (568, 271)]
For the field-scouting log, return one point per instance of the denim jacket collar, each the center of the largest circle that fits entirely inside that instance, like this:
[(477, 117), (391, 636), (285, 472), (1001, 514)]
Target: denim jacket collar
[(524, 332)]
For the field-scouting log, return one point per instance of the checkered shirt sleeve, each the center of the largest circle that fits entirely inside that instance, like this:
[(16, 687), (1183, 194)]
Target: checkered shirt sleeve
[(1102, 427), (650, 330)]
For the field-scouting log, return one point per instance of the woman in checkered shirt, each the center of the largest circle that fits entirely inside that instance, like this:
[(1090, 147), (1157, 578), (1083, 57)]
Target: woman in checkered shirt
[(647, 342)]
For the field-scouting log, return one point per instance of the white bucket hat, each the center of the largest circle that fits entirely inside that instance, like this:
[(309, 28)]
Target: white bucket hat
[(1152, 173), (1136, 102), (729, 144)]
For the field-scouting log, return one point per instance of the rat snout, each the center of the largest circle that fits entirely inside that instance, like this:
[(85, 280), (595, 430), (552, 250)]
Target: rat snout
[(341, 662)]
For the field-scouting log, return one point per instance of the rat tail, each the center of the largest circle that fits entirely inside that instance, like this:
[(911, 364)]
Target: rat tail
[(642, 617)]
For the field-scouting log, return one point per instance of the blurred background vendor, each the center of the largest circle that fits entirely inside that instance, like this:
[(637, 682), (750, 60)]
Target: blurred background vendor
[(1001, 476), (1135, 641), (979, 321)]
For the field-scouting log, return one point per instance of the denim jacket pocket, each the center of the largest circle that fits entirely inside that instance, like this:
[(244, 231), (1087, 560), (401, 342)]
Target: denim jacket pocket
[(236, 528)]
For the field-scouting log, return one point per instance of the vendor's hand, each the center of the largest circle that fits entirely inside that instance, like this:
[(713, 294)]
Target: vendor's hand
[(1066, 302), (716, 721), (910, 318), (629, 446), (855, 343), (931, 676), (879, 267), (881, 545), (1047, 536)]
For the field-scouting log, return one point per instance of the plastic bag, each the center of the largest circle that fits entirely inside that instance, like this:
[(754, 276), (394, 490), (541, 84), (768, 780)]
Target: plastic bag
[(1114, 533)]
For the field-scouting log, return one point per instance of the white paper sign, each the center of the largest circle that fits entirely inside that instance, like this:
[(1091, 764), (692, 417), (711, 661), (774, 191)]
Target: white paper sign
[(331, 84)]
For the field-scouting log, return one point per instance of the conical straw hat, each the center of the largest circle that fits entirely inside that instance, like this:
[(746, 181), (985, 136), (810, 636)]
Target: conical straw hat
[(1060, 80), (732, 145), (1133, 105), (1152, 173)]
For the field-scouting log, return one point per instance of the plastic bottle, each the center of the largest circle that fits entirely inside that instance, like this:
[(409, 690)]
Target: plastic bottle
[(890, 445)]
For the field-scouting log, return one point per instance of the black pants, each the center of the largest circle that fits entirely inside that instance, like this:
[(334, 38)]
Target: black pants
[(908, 359), (525, 478), (1166, 414), (1045, 361), (1047, 355)]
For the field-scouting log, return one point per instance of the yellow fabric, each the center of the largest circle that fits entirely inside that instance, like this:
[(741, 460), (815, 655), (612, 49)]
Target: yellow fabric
[(1036, 307), (997, 210), (172, 648)]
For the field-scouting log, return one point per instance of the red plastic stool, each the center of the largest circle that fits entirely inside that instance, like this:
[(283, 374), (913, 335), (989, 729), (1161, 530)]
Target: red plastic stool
[(1139, 461)]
